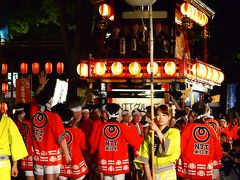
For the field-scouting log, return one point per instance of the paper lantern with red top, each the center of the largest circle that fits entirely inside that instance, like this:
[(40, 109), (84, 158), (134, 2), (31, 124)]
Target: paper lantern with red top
[(135, 68), (35, 68), (48, 68), (4, 68), (199, 70), (104, 9), (4, 88), (60, 67), (215, 75), (100, 68), (24, 68), (209, 73)]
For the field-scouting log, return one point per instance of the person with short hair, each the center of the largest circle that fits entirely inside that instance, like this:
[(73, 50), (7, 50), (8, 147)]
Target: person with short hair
[(11, 145)]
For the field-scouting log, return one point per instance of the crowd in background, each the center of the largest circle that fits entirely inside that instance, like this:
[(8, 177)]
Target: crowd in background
[(77, 141)]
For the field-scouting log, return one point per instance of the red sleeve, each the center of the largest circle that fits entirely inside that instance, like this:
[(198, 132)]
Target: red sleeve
[(217, 154), (131, 136), (58, 129), (95, 137), (185, 136), (82, 140)]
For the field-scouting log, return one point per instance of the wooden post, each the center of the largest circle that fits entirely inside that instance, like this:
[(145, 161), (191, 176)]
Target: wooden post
[(152, 87)]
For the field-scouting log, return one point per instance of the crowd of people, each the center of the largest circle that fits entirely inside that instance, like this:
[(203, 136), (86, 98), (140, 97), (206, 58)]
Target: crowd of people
[(77, 141)]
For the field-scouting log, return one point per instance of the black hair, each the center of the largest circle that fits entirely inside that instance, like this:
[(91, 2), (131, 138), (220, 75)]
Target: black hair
[(226, 146), (199, 108)]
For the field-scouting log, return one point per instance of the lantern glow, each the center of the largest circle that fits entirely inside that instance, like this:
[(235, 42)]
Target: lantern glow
[(4, 88), (155, 68), (48, 68), (104, 9), (134, 68), (170, 68), (60, 67), (4, 68), (209, 73), (199, 70), (117, 68), (100, 68), (215, 75), (221, 77), (35, 68), (82, 69), (24, 68)]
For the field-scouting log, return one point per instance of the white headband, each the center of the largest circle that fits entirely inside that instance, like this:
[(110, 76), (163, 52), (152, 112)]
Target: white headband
[(110, 116), (76, 109), (125, 112), (136, 112), (20, 109), (85, 110)]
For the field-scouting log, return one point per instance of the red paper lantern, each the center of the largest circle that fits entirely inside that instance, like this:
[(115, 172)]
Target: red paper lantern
[(24, 68), (48, 68), (3, 107), (35, 68), (60, 67), (4, 88), (4, 68)]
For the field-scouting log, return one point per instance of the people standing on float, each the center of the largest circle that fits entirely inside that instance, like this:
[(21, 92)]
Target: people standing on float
[(25, 128), (166, 147)]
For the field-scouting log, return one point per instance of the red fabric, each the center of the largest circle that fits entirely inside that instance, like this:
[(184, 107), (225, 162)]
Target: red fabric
[(87, 127), (217, 163), (25, 128), (233, 130), (111, 142), (96, 126), (48, 132), (227, 132), (76, 141), (198, 146)]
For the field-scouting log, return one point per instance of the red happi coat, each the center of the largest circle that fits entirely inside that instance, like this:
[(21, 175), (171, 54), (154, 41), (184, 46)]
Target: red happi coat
[(111, 142), (217, 163), (198, 146), (48, 132), (76, 141), (25, 128)]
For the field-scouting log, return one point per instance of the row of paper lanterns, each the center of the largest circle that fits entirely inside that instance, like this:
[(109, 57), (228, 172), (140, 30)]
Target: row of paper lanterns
[(36, 68), (194, 14), (117, 68), (134, 68), (206, 72)]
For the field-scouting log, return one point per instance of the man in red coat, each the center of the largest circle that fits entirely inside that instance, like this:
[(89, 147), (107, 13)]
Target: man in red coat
[(111, 142), (199, 147)]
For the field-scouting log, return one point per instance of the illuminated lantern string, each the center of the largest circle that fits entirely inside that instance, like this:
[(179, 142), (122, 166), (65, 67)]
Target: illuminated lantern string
[(199, 70), (134, 68), (24, 68), (100, 68), (117, 68), (82, 69), (170, 68), (35, 68), (4, 69), (155, 68), (48, 68), (60, 67)]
